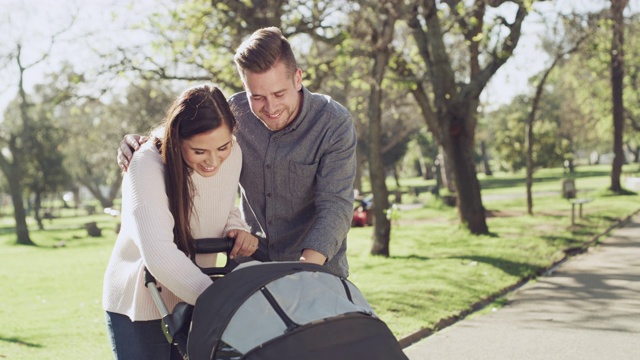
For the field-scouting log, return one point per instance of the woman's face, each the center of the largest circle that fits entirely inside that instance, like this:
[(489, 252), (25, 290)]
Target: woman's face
[(205, 152)]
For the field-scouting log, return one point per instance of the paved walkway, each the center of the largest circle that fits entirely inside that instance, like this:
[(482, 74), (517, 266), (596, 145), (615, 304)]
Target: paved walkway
[(589, 308)]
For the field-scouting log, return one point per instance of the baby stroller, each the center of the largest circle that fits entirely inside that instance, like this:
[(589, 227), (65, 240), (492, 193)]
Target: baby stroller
[(276, 310)]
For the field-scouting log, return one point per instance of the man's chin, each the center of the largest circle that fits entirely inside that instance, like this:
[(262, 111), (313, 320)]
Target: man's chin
[(271, 125)]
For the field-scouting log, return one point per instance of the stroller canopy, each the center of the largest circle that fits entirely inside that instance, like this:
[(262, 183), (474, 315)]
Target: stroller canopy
[(287, 310)]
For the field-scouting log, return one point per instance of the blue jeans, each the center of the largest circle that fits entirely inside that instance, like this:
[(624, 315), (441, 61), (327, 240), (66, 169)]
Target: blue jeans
[(138, 340)]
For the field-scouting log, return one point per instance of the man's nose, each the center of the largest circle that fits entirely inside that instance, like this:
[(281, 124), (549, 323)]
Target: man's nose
[(268, 105)]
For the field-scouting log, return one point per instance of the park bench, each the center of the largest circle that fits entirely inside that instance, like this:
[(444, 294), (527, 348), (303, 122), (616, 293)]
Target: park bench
[(633, 183), (578, 202)]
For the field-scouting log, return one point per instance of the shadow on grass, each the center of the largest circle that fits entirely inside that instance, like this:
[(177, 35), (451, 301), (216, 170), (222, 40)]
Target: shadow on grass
[(514, 181), (624, 192), (410, 257), (7, 229), (16, 340), (563, 240), (497, 183), (521, 270), (56, 242), (512, 268)]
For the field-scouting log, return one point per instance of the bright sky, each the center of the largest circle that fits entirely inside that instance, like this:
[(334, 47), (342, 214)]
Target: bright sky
[(99, 24), (104, 23)]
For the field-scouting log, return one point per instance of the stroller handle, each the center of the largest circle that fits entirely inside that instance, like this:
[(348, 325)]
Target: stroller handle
[(223, 245), (214, 245)]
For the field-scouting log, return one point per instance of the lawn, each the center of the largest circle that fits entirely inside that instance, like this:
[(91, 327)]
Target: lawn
[(51, 293)]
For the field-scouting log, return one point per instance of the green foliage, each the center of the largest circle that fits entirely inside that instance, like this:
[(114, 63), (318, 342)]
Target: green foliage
[(509, 124), (95, 128), (45, 172)]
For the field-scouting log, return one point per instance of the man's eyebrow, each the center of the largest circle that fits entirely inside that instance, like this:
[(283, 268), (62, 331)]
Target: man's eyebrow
[(274, 92)]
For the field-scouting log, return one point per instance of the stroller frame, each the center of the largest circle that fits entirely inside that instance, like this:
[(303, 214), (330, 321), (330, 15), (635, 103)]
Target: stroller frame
[(175, 325), (295, 310)]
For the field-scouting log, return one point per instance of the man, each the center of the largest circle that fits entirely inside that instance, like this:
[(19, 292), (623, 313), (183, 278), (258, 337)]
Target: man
[(299, 157)]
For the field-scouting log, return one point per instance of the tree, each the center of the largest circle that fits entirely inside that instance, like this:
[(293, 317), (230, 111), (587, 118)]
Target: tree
[(559, 53), (45, 172), (91, 123), (399, 125), (632, 94), (14, 137), (17, 133), (617, 84), (584, 114), (197, 39), (453, 116), (380, 18)]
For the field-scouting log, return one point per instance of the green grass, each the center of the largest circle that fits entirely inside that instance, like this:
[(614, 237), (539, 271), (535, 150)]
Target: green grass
[(51, 296), (50, 302)]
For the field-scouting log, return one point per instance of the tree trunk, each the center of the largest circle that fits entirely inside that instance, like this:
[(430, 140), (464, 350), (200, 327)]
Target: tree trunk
[(459, 145), (530, 136), (19, 213), (13, 173), (37, 206), (437, 167), (357, 183), (617, 78), (529, 141), (94, 189), (447, 178), (396, 175), (381, 56), (381, 224), (485, 159)]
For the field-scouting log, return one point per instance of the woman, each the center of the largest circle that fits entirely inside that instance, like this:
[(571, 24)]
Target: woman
[(179, 187)]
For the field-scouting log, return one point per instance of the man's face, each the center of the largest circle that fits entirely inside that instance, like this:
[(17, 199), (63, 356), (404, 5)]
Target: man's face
[(274, 96)]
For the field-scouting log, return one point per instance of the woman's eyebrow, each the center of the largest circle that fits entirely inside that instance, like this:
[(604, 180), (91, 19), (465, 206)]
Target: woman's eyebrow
[(220, 147)]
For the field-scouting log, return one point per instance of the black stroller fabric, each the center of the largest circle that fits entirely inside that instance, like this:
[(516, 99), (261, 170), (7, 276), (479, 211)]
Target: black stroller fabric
[(287, 310)]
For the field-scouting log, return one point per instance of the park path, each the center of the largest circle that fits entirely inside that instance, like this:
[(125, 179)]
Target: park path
[(587, 309)]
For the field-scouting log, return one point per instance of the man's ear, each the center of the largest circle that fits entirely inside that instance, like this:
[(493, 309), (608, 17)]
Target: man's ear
[(297, 79)]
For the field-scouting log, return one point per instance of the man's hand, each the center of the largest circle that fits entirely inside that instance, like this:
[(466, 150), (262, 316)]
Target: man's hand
[(245, 245), (312, 256), (129, 144)]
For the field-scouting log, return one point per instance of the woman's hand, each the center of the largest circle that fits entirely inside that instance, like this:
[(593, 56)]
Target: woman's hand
[(245, 245)]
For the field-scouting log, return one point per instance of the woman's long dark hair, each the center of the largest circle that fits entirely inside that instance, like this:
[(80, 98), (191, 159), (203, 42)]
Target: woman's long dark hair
[(197, 110)]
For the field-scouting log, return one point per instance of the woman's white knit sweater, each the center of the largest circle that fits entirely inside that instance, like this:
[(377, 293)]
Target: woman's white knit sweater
[(146, 235)]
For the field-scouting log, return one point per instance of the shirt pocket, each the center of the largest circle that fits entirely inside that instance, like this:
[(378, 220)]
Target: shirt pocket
[(302, 178)]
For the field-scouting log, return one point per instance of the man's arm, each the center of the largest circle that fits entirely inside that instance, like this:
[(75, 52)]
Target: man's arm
[(334, 194), (129, 144)]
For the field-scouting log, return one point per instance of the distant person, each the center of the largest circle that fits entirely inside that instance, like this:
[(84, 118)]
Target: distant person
[(181, 185), (300, 157)]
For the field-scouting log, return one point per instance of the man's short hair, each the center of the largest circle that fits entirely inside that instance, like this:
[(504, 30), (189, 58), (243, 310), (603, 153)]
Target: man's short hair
[(263, 50)]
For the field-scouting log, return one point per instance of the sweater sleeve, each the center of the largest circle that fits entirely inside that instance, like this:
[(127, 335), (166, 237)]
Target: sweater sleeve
[(236, 222), (153, 228)]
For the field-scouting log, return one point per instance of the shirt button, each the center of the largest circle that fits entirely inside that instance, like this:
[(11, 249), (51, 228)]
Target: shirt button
[(268, 195), (270, 222), (268, 166)]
